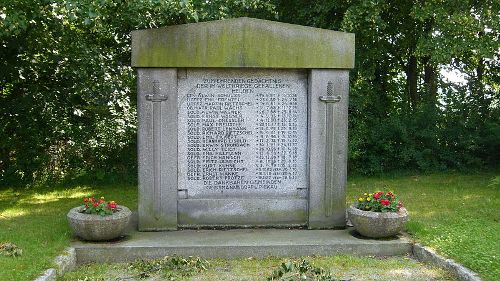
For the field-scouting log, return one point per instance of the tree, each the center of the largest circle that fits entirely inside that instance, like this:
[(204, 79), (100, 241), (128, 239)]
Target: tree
[(403, 112), (67, 107), (67, 103)]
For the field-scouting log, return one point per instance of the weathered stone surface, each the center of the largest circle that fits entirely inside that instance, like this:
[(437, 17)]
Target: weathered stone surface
[(242, 133), (427, 255), (99, 228), (157, 148), (243, 145), (242, 42), (236, 212), (376, 224), (65, 262), (49, 275), (239, 243), (242, 123), (327, 147)]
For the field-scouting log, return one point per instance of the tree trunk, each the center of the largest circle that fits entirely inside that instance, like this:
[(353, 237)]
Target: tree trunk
[(411, 81), (430, 82), (478, 89)]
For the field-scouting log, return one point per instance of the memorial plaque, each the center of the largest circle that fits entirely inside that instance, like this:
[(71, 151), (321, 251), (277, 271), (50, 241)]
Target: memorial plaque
[(242, 123), (242, 133)]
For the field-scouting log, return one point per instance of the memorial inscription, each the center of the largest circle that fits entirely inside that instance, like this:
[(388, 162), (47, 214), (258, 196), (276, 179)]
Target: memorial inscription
[(242, 132), (239, 132)]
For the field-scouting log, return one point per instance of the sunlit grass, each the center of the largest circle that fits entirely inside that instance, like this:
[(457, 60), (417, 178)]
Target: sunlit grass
[(53, 196), (35, 220), (12, 213), (342, 267), (455, 214)]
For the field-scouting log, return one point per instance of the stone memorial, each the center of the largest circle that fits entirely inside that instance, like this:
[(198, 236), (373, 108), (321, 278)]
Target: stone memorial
[(242, 123)]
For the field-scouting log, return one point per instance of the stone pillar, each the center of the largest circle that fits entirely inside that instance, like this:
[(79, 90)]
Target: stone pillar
[(328, 102), (157, 148)]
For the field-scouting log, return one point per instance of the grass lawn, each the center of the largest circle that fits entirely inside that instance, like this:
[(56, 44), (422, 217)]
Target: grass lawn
[(453, 213), (340, 267), (35, 221)]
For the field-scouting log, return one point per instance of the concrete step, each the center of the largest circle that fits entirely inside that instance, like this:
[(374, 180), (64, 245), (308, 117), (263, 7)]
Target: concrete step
[(238, 243)]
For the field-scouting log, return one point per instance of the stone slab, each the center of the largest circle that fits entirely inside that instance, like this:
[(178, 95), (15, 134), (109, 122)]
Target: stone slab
[(66, 261), (242, 133), (427, 255), (193, 213), (48, 275), (242, 153), (238, 243), (242, 42)]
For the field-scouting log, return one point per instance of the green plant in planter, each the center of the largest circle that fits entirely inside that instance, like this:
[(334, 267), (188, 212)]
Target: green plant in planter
[(378, 215), (98, 206), (379, 202), (98, 219)]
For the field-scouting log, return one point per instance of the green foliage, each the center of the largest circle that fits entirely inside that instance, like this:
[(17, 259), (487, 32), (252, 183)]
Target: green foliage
[(404, 114), (10, 250), (100, 207), (378, 202), (302, 270), (171, 268), (67, 91), (67, 103), (495, 182)]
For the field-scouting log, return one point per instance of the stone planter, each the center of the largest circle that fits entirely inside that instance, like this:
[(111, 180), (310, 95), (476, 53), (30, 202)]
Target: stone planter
[(377, 225), (99, 228)]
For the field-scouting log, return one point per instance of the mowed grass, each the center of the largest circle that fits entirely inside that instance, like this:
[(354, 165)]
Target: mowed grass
[(453, 213), (341, 267), (457, 215), (35, 221)]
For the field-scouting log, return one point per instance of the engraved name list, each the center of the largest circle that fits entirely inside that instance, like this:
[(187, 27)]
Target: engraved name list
[(242, 134)]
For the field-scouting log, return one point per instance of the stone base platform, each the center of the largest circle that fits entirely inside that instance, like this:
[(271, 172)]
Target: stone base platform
[(238, 243)]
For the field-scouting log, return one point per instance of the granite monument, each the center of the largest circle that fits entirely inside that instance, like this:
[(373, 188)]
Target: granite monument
[(242, 123)]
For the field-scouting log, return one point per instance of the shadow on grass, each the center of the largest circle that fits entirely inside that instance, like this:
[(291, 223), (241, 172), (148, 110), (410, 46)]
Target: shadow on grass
[(57, 200)]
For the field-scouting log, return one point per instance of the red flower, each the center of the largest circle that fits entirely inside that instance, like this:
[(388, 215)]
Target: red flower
[(390, 194), (385, 202), (92, 199), (86, 205), (85, 200), (377, 195), (400, 205), (95, 204), (100, 201), (112, 206)]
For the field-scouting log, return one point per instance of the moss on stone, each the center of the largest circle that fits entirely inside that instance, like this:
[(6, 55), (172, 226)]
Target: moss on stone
[(242, 42)]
